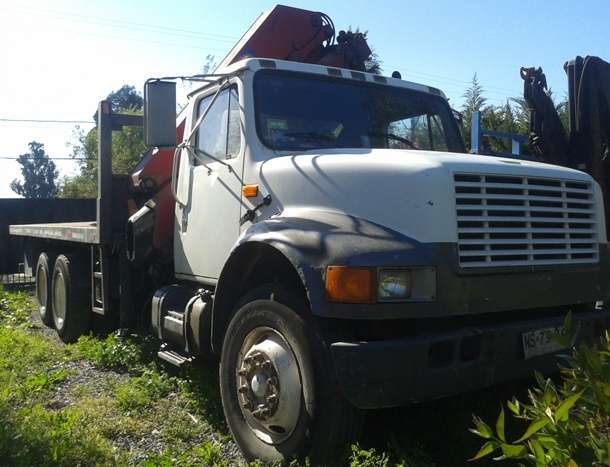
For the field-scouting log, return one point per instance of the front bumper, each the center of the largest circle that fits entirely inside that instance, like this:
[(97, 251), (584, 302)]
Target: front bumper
[(393, 373), (475, 292)]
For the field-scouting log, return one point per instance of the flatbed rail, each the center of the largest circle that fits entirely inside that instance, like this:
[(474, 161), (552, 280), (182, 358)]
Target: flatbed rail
[(81, 232)]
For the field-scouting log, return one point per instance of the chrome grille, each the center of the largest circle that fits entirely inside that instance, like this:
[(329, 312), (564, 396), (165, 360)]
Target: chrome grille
[(524, 221)]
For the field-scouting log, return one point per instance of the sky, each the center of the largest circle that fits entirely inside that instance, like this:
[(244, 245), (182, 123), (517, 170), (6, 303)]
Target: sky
[(58, 59)]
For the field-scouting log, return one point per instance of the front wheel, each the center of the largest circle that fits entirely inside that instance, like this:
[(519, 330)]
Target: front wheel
[(277, 387)]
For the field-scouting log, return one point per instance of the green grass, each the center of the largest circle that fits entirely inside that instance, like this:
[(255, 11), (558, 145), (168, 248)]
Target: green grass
[(140, 402), (133, 399), (15, 308), (130, 354), (207, 454)]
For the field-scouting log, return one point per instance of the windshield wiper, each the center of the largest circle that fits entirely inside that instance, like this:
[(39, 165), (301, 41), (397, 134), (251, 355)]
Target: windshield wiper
[(394, 137), (310, 135)]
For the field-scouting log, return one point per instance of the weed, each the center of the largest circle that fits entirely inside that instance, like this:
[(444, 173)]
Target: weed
[(15, 308), (207, 455), (36, 436), (29, 366), (202, 388), (567, 424), (367, 457), (141, 391), (210, 454), (111, 353)]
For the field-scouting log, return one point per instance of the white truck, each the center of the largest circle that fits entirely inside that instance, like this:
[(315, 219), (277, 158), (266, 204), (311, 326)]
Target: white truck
[(333, 244)]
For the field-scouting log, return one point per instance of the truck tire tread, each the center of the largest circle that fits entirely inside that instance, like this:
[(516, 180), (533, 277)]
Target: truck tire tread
[(77, 308), (45, 260), (328, 422)]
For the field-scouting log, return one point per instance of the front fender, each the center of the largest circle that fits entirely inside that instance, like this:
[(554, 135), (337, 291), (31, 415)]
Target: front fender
[(312, 240)]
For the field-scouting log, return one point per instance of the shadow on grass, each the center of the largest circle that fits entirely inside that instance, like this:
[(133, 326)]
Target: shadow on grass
[(436, 433), (427, 434), (203, 385)]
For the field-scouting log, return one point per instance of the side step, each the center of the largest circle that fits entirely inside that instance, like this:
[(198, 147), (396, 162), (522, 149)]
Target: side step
[(173, 357)]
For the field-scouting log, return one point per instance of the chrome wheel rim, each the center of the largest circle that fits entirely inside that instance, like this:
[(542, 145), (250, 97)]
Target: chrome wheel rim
[(269, 387), (59, 300), (41, 290)]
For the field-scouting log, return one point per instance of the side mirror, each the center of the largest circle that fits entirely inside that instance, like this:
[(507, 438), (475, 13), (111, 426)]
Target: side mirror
[(160, 113)]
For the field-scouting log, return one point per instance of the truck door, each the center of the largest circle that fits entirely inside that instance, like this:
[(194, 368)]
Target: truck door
[(207, 223)]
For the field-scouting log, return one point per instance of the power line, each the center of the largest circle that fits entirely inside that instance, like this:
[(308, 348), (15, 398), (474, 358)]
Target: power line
[(434, 77), (149, 41), (118, 23), (61, 158), (37, 120), (146, 27), (188, 34)]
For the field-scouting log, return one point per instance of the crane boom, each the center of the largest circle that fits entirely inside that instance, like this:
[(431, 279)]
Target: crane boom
[(288, 33), (585, 145)]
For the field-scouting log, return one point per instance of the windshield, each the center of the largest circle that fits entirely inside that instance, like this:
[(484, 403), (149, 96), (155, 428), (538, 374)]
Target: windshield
[(302, 112)]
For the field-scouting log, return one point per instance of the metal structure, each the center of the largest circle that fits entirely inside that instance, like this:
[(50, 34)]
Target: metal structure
[(478, 133), (288, 33), (18, 279), (585, 144), (105, 237)]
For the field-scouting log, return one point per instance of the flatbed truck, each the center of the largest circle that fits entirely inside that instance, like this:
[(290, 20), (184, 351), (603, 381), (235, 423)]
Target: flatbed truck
[(323, 233)]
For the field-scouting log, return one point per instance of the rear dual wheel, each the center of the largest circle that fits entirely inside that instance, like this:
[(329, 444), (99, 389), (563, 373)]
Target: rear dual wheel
[(70, 305), (43, 287)]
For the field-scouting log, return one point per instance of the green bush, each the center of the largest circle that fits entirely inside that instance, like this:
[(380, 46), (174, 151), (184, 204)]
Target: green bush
[(367, 457), (566, 424), (112, 353)]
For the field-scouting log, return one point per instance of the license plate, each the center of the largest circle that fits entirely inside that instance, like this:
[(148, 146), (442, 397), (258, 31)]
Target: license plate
[(541, 341)]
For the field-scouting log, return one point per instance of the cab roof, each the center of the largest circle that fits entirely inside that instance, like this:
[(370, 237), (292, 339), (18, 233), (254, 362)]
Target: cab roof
[(255, 64)]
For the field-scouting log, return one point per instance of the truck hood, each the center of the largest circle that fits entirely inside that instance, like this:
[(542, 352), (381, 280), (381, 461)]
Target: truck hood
[(411, 192)]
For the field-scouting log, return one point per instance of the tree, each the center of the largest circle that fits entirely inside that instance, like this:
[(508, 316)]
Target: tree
[(474, 101), (39, 174), (126, 98), (373, 63), (209, 64), (127, 147), (510, 117), (473, 97)]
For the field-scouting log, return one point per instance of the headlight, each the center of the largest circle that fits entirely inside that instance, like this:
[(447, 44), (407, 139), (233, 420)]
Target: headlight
[(394, 284)]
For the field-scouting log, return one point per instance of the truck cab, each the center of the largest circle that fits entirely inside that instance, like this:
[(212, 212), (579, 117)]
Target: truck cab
[(277, 126)]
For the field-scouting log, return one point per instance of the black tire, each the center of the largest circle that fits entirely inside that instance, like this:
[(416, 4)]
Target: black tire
[(43, 288), (70, 298), (326, 421)]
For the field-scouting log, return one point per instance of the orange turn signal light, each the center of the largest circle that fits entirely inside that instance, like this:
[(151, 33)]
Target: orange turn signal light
[(250, 191), (350, 285)]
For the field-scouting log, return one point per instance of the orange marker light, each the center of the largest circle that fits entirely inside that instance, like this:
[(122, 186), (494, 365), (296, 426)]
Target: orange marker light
[(350, 285), (250, 191)]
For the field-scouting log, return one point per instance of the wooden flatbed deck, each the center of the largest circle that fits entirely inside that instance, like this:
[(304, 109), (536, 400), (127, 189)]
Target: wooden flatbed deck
[(80, 232)]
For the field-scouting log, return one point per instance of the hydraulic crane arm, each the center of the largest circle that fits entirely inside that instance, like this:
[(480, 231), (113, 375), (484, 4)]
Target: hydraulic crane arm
[(288, 33), (589, 99), (547, 135), (586, 144)]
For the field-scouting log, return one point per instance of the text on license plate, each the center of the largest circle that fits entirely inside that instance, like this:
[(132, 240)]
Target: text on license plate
[(541, 341)]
